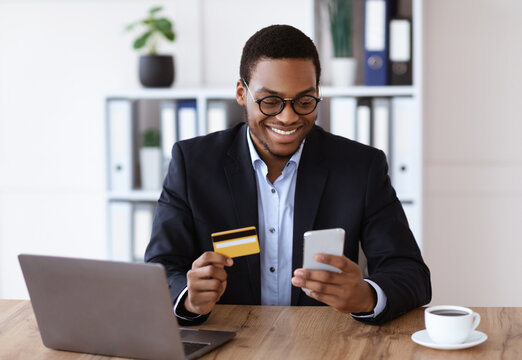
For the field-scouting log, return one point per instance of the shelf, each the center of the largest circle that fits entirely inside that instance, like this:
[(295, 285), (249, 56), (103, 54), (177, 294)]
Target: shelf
[(229, 93), (404, 127), (174, 93), (367, 91), (134, 195)]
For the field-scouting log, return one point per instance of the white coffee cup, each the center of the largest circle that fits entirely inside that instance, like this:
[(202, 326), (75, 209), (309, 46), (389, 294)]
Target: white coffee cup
[(448, 324)]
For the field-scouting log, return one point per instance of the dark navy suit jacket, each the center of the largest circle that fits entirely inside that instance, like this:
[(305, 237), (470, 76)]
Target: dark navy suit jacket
[(211, 187)]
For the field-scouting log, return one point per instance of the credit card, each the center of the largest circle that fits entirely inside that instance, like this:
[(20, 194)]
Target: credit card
[(237, 242)]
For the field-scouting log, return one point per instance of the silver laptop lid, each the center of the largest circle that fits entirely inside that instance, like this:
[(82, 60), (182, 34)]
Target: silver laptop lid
[(102, 307)]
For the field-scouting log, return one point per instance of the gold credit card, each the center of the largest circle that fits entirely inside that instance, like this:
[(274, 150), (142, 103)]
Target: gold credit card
[(237, 242)]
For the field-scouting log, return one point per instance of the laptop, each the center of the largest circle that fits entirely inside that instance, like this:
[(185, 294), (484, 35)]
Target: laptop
[(110, 308)]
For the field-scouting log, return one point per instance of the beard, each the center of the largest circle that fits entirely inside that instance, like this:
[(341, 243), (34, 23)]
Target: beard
[(265, 145)]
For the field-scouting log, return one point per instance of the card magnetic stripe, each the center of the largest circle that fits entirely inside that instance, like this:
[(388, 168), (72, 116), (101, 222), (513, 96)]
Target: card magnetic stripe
[(234, 234)]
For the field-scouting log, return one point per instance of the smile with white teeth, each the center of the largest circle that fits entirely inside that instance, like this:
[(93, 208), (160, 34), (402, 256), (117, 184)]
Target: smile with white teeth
[(281, 132)]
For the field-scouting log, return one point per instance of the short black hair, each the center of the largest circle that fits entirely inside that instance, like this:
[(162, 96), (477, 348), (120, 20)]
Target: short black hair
[(277, 42)]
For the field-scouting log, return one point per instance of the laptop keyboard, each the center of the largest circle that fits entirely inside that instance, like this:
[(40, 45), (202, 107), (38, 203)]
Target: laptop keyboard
[(191, 347)]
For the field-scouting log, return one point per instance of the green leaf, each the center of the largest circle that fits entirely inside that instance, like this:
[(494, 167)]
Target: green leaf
[(170, 35), (340, 13), (153, 27), (142, 40), (151, 138), (155, 10), (163, 25)]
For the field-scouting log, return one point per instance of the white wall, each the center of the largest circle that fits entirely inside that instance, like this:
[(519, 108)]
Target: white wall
[(57, 61), (59, 58), (473, 151)]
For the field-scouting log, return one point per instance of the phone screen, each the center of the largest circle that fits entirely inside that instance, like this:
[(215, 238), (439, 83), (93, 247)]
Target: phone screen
[(330, 241)]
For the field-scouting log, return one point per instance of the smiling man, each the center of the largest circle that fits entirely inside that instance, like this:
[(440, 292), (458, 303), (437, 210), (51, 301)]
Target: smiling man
[(277, 130), (284, 175)]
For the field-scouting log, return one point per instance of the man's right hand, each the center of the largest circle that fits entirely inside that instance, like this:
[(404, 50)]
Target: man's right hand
[(206, 282)]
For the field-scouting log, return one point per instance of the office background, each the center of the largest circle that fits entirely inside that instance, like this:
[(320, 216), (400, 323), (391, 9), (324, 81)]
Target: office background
[(58, 60)]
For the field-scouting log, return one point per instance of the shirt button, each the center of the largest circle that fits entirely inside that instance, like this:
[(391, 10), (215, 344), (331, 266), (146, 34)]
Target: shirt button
[(272, 269), (273, 191), (272, 230)]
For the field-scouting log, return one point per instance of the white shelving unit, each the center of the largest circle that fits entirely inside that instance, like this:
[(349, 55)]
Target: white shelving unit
[(413, 204)]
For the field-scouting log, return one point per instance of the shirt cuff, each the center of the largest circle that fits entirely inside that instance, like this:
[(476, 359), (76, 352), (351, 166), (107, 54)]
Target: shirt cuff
[(179, 308), (382, 300)]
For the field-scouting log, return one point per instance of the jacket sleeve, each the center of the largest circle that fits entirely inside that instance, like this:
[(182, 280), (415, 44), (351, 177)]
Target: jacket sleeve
[(173, 240), (394, 259)]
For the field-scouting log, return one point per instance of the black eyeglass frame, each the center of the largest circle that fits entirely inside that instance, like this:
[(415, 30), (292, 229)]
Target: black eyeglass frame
[(283, 102)]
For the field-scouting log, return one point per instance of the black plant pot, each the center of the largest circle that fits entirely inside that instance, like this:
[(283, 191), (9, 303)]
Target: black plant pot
[(156, 70)]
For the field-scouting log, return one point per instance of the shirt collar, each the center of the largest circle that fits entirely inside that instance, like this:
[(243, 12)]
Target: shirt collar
[(254, 156)]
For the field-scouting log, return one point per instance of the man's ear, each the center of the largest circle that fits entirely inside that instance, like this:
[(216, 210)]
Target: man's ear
[(240, 93)]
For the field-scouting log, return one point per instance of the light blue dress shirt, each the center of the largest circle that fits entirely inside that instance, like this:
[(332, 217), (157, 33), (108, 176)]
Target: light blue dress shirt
[(276, 221), (275, 204)]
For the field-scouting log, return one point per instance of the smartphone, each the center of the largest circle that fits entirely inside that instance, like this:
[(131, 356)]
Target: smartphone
[(329, 241)]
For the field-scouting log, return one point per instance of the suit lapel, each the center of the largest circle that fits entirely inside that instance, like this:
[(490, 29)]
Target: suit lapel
[(243, 191), (311, 179)]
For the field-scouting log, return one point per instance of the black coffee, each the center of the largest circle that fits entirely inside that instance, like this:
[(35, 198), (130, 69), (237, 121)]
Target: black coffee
[(449, 312)]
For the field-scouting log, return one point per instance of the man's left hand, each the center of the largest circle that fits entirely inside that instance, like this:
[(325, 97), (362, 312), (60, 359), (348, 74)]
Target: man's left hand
[(346, 291)]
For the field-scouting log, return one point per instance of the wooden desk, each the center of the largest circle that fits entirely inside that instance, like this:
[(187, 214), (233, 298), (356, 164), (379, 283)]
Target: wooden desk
[(265, 332)]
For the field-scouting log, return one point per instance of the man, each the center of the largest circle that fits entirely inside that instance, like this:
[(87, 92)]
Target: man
[(284, 175)]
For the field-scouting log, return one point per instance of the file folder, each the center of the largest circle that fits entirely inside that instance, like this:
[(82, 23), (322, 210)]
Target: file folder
[(142, 228), (376, 15), (120, 231), (412, 212), (217, 114), (381, 124), (400, 52), (168, 130), (120, 147), (405, 148), (342, 116), (364, 120), (187, 119)]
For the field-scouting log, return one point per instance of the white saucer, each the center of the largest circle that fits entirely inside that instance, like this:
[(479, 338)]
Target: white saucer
[(422, 338)]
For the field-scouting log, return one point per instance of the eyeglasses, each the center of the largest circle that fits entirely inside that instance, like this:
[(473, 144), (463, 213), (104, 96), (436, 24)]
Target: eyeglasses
[(272, 105)]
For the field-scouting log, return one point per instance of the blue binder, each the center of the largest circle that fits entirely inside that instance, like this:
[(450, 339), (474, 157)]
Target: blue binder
[(376, 42), (187, 119)]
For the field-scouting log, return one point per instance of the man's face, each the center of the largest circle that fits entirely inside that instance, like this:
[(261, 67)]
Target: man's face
[(278, 136)]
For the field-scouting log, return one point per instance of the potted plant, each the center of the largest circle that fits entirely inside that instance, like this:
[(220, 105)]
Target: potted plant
[(155, 70), (343, 62), (150, 160)]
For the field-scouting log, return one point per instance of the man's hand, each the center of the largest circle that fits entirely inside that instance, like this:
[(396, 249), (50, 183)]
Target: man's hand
[(345, 291), (206, 282)]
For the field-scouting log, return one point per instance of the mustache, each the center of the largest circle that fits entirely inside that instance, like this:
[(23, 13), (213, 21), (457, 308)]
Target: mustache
[(276, 122)]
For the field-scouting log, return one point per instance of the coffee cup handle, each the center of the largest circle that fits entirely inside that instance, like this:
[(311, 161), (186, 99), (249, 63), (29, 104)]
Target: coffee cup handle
[(476, 321)]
